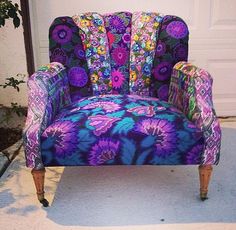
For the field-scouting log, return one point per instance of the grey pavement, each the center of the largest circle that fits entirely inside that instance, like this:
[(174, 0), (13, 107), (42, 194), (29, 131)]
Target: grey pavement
[(122, 197)]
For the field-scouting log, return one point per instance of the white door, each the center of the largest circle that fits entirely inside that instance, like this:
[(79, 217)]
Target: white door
[(212, 25)]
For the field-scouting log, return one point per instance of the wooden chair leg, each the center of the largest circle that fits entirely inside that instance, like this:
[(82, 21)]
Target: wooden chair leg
[(205, 175), (38, 176)]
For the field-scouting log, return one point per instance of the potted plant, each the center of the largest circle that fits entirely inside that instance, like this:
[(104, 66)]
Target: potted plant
[(9, 135)]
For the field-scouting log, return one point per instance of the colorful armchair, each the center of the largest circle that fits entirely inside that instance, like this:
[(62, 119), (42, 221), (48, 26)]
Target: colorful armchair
[(119, 91)]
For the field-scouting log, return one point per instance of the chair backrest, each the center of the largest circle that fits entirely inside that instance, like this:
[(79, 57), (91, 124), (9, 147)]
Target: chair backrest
[(119, 53)]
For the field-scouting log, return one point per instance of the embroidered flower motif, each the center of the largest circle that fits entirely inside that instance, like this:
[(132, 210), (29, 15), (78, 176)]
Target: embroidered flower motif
[(106, 149), (101, 123), (165, 134), (77, 76), (84, 23), (59, 55), (94, 78), (120, 55), (146, 69), (98, 21), (162, 71), (116, 23), (79, 52), (118, 79), (102, 88), (177, 29), (133, 76), (145, 18), (101, 50), (62, 34), (150, 45), (126, 38), (160, 48), (180, 53)]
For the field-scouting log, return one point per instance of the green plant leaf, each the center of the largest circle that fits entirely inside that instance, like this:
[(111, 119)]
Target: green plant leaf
[(16, 21)]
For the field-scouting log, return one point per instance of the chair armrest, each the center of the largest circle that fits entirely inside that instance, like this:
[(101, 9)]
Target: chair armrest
[(191, 92), (48, 92)]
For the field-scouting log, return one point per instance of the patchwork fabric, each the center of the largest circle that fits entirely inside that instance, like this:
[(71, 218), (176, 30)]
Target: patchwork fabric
[(75, 116), (65, 47), (93, 34), (116, 129), (118, 28), (172, 47), (191, 92), (145, 28), (48, 94)]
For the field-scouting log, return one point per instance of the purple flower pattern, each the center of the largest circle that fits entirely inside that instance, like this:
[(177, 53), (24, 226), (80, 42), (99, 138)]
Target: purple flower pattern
[(101, 123), (78, 76), (62, 34), (131, 124), (105, 150), (65, 136), (165, 132)]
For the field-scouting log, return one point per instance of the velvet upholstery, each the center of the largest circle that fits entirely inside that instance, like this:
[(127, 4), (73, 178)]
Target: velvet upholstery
[(118, 90)]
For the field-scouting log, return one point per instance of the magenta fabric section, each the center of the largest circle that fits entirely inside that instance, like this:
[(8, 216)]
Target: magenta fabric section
[(118, 29)]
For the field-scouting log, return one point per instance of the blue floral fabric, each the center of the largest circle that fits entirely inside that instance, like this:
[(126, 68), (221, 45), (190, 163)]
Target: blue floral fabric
[(121, 129)]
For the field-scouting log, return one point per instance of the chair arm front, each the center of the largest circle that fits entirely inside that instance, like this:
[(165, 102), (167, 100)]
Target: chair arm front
[(191, 92), (48, 92)]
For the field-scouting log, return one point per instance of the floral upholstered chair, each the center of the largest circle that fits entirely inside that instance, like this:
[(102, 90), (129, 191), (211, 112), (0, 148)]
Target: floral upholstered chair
[(119, 91)]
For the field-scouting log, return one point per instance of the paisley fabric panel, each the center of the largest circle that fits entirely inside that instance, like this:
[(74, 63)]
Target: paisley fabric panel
[(121, 130), (144, 34), (93, 34), (48, 94), (66, 47), (172, 47), (191, 92), (118, 27)]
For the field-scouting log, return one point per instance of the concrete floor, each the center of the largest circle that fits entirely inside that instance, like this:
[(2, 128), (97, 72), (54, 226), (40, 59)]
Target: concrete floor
[(121, 197)]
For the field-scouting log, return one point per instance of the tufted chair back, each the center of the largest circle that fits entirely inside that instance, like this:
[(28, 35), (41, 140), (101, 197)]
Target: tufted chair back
[(118, 53)]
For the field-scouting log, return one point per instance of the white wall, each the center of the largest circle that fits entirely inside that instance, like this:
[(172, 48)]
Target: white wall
[(12, 61), (212, 26)]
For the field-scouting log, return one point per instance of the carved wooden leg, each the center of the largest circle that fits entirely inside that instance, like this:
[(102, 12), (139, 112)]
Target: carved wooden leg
[(205, 175), (38, 176)]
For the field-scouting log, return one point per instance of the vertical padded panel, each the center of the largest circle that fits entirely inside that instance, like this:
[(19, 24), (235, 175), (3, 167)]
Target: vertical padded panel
[(118, 27), (172, 47), (66, 47), (145, 28), (94, 37)]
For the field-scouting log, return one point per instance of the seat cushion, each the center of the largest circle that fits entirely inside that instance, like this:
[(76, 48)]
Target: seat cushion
[(121, 130)]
